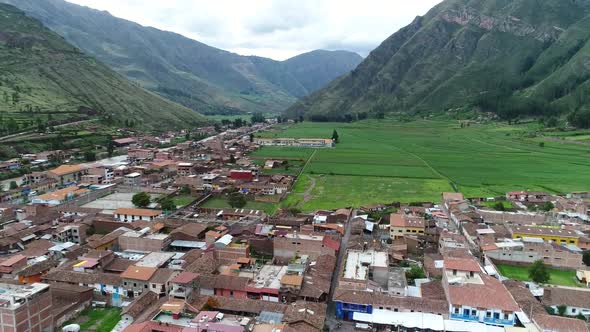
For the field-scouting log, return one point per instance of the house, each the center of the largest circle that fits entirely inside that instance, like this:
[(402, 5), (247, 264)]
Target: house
[(13, 263), (158, 283), (133, 179), (183, 285), (120, 142), (60, 196), (529, 250), (67, 174), (137, 307), (136, 279), (141, 154), (528, 197), (102, 283), (577, 302), (129, 215), (242, 175), (557, 235), (493, 305), (552, 323), (75, 233), (26, 308), (290, 245), (185, 169), (583, 276), (143, 241), (403, 224)]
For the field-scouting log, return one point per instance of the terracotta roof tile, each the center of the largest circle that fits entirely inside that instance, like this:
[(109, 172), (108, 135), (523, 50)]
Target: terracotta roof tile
[(139, 272)]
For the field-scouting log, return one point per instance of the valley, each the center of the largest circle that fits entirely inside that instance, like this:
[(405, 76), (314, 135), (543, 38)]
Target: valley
[(387, 161)]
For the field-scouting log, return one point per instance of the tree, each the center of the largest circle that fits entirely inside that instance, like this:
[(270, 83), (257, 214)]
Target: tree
[(236, 200), (185, 190), (225, 122), (538, 272), (251, 137), (187, 135), (141, 199), (335, 136), (541, 144), (238, 122), (258, 118), (547, 206), (89, 156), (561, 309), (13, 185), (499, 206), (217, 127), (586, 258), (168, 205), (232, 159), (110, 148), (414, 273)]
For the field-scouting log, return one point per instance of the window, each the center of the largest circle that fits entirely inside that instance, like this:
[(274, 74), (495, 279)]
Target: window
[(456, 310), (134, 284), (573, 310), (145, 286), (395, 310), (496, 315), (154, 286), (454, 272), (231, 293), (506, 316), (488, 314), (125, 283), (473, 312)]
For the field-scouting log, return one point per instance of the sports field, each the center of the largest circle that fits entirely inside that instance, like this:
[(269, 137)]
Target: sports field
[(386, 161)]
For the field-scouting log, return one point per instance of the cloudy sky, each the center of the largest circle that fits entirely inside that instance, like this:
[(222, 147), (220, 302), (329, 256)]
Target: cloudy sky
[(277, 29)]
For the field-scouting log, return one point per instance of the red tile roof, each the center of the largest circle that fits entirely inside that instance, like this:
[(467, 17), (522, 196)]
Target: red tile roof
[(491, 295), (184, 278), (462, 264)]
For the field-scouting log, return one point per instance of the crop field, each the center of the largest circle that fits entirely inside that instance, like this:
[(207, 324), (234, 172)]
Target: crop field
[(386, 161)]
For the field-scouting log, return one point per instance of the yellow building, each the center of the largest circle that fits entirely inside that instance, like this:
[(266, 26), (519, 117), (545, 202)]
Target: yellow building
[(557, 235), (402, 224)]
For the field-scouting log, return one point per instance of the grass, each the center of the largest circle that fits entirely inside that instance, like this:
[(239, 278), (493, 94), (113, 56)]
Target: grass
[(221, 203), (386, 161), (98, 320), (558, 277), (506, 204), (183, 200)]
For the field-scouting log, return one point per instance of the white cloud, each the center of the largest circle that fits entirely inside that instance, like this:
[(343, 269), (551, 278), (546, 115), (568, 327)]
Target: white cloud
[(277, 29)]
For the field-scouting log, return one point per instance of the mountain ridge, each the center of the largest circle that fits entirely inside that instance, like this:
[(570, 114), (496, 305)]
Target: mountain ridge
[(184, 70), (468, 55), (45, 79)]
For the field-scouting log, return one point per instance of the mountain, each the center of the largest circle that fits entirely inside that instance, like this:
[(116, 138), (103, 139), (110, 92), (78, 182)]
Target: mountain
[(204, 78), (43, 78), (512, 57)]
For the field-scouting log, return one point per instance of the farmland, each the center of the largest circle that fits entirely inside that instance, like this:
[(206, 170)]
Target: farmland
[(386, 161)]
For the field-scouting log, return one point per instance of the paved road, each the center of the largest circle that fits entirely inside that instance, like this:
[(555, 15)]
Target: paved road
[(331, 320)]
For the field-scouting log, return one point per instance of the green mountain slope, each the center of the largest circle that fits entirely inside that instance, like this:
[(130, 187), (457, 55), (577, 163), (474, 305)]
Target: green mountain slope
[(196, 75), (512, 57), (44, 78)]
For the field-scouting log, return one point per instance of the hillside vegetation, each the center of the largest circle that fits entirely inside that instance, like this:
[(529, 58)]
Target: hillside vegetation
[(46, 81), (511, 57), (204, 78)]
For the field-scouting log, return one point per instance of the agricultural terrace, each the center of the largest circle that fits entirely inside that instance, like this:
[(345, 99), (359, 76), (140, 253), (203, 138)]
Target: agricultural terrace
[(385, 161)]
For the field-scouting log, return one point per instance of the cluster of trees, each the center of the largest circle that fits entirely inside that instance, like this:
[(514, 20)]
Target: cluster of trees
[(143, 199), (236, 200)]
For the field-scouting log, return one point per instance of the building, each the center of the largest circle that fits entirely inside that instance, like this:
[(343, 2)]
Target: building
[(26, 308), (557, 235), (312, 245), (60, 196), (528, 197), (130, 215), (141, 154), (67, 174), (75, 233), (576, 301), (185, 169), (183, 286), (133, 179), (402, 224), (296, 142), (242, 175), (474, 296), (136, 279), (529, 250), (143, 241)]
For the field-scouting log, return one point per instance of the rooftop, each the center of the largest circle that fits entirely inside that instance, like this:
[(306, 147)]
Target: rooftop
[(544, 231), (12, 296), (66, 169), (155, 259), (358, 263), (139, 272), (138, 212)]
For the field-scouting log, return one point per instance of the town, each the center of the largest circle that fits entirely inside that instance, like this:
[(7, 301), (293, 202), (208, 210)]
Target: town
[(182, 238)]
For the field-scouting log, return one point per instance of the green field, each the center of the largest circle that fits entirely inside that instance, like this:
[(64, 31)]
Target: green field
[(183, 200), (97, 320), (221, 203), (386, 161), (558, 277), (506, 204)]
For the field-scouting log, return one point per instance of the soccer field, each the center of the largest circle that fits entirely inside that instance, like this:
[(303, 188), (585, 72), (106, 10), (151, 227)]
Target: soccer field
[(385, 161)]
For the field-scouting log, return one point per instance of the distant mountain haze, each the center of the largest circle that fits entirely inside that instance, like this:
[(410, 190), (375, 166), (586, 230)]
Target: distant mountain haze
[(204, 78), (45, 79), (512, 57)]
